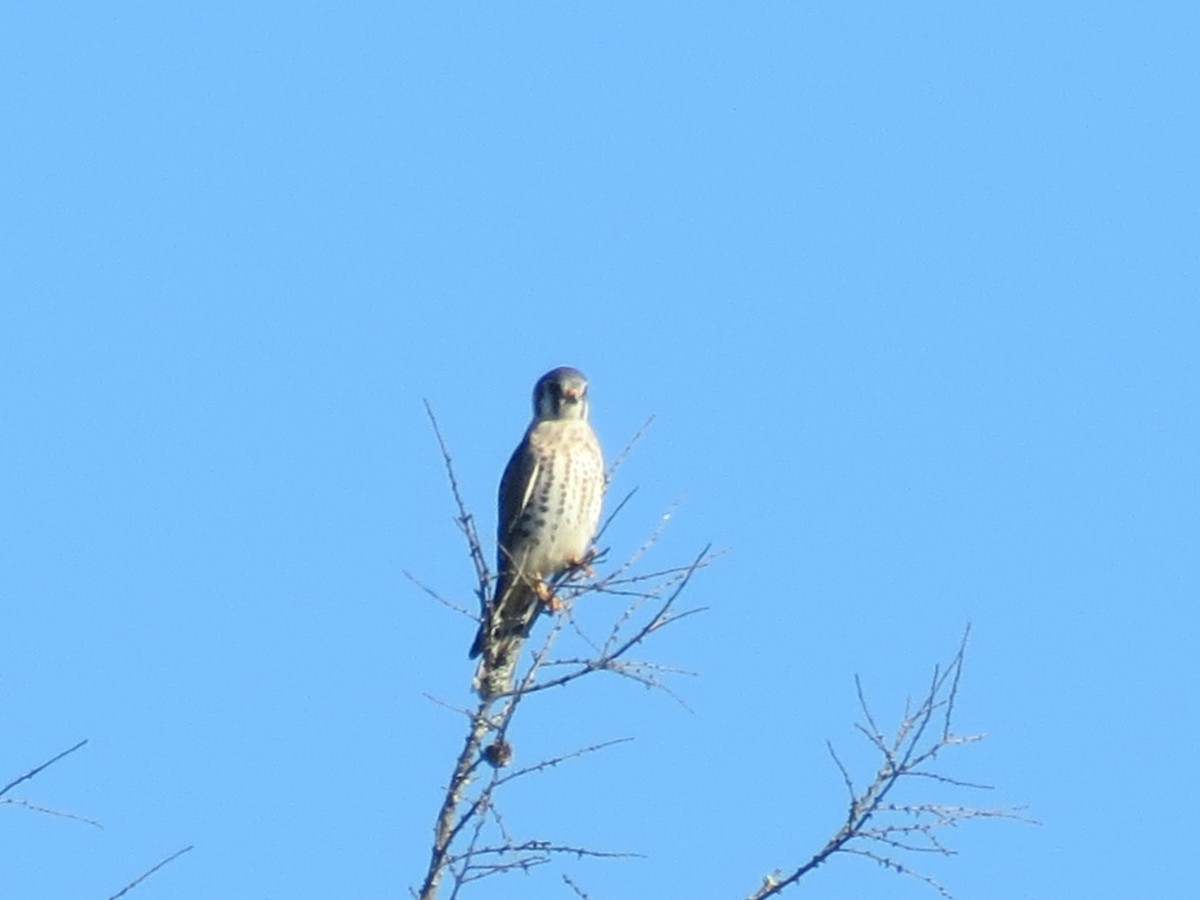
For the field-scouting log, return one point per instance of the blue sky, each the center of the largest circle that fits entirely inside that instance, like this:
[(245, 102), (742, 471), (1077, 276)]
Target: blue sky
[(913, 291)]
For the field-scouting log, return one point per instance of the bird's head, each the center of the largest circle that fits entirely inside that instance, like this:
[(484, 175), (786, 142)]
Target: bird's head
[(560, 394)]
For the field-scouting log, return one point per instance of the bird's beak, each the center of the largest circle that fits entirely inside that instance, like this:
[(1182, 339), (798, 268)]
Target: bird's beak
[(571, 394)]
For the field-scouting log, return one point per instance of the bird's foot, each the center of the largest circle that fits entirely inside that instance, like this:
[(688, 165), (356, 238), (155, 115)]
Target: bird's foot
[(584, 565), (547, 596)]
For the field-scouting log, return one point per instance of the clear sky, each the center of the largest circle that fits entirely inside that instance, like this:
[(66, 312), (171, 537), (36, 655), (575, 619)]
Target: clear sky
[(913, 291)]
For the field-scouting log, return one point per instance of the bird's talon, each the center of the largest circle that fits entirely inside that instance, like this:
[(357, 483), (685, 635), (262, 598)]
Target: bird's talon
[(583, 565), (548, 597)]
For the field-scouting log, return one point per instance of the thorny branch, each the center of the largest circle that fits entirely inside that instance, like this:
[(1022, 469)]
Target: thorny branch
[(880, 830), (464, 848)]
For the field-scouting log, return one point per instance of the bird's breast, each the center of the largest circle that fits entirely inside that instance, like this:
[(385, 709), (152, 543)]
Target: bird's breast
[(563, 509)]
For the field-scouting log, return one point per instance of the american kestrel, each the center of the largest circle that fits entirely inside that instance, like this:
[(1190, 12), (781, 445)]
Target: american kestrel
[(550, 499)]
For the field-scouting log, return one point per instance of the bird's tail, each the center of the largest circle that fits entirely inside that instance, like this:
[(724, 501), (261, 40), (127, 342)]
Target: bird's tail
[(501, 636), (494, 674)]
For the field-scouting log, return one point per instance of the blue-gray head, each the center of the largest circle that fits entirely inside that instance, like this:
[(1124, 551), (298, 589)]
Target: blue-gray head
[(561, 394)]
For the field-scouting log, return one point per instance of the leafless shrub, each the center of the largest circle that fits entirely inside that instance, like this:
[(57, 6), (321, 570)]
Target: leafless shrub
[(892, 832)]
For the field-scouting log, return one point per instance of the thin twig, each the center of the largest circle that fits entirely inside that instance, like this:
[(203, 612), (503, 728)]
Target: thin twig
[(579, 892), (33, 807), (612, 515), (129, 887), (36, 769), (544, 847), (466, 521), (559, 760), (624, 454), (449, 604)]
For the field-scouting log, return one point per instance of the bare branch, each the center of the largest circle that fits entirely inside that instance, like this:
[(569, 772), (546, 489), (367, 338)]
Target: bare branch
[(33, 807), (956, 668), (612, 515), (900, 869), (579, 892), (539, 847), (878, 830), (36, 769), (624, 454), (653, 539), (129, 887), (448, 825), (466, 521), (558, 760), (449, 604), (845, 774)]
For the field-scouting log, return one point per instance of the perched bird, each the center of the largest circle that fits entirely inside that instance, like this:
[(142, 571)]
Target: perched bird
[(550, 499)]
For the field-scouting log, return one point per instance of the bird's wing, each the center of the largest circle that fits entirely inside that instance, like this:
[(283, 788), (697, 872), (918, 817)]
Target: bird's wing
[(509, 601), (516, 487)]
